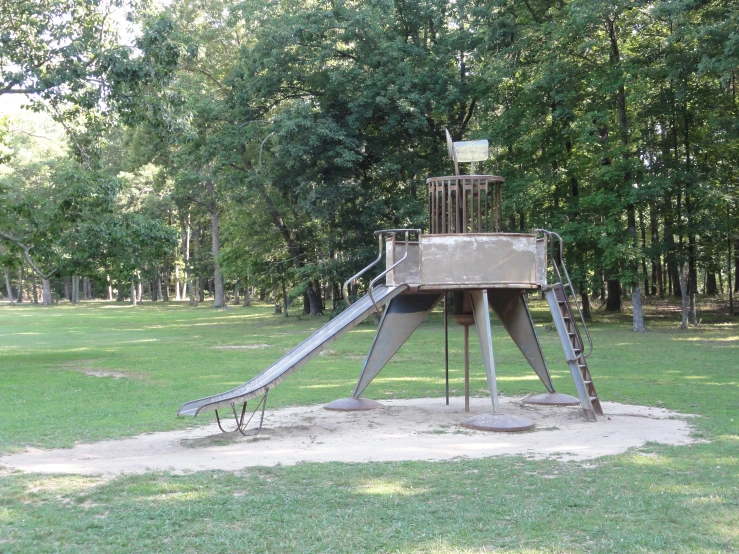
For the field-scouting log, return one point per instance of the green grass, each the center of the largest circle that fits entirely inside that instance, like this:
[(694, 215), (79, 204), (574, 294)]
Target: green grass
[(655, 499)]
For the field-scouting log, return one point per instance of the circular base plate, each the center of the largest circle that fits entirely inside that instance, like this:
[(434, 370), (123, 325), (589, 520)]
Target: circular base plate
[(352, 404), (552, 399), (498, 422)]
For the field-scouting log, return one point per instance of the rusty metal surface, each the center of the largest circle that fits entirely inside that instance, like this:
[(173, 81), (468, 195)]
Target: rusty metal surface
[(297, 357), (478, 261), (541, 261), (402, 316), (465, 204), (511, 308), (498, 422), (352, 404), (407, 272)]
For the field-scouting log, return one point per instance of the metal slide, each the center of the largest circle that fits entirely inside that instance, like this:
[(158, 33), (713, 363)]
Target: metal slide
[(305, 351)]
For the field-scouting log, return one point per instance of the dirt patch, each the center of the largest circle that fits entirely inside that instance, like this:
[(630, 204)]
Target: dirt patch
[(88, 368), (416, 429), (242, 347)]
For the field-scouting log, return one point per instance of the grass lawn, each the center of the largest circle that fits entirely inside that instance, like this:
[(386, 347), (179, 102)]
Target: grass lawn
[(104, 370)]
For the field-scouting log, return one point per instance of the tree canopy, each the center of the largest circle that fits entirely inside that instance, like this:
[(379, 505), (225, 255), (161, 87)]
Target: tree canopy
[(273, 139)]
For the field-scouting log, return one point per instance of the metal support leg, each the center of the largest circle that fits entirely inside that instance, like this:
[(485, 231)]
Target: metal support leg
[(513, 312), (484, 335), (402, 316)]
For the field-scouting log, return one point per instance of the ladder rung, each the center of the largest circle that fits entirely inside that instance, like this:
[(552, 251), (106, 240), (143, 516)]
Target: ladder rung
[(587, 383), (594, 399)]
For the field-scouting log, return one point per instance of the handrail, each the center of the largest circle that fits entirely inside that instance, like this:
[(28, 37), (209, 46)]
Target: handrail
[(389, 269), (551, 235), (380, 234)]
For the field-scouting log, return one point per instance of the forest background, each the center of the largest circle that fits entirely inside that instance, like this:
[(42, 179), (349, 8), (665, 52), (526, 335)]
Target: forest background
[(169, 150)]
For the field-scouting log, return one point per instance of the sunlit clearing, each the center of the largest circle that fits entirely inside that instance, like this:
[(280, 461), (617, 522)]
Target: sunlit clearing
[(329, 386), (380, 487), (648, 460), (707, 500), (522, 378), (65, 484), (407, 379), (734, 338), (179, 496), (728, 530)]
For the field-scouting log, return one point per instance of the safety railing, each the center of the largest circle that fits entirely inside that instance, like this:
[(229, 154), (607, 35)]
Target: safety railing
[(382, 234), (556, 249)]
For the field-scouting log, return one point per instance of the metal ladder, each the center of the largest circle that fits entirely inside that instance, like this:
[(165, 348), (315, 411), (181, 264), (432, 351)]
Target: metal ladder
[(558, 297)]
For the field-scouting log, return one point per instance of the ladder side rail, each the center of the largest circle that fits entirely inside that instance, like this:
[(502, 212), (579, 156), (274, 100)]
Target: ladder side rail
[(567, 283), (577, 303)]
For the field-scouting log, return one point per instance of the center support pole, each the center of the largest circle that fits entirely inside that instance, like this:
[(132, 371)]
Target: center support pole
[(446, 343), (467, 369), (496, 421)]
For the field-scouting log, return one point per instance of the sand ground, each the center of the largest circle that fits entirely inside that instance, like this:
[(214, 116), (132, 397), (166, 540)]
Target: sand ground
[(415, 429)]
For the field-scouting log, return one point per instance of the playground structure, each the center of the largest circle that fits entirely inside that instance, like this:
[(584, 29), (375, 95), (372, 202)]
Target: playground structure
[(464, 255)]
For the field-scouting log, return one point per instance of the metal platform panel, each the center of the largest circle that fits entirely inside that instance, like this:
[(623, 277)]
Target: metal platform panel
[(408, 272), (488, 260)]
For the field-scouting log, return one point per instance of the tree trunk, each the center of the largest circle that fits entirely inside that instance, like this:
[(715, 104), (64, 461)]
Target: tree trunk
[(75, 289), (585, 303), (247, 295), (711, 284), (306, 302), (237, 300), (218, 301), (20, 285), (158, 287), (67, 289), (314, 299), (110, 288), (8, 287), (658, 286), (133, 290), (645, 273), (201, 290), (165, 288), (615, 59), (194, 293), (284, 296), (34, 292), (46, 298), (636, 306), (121, 295), (684, 289), (177, 283), (139, 289), (613, 302), (185, 224)]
